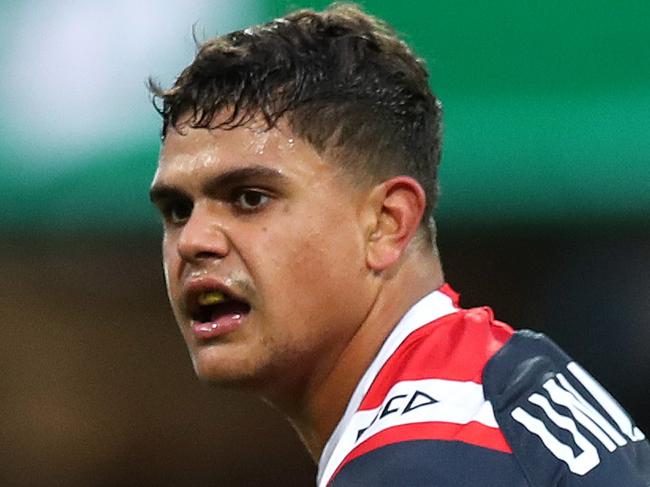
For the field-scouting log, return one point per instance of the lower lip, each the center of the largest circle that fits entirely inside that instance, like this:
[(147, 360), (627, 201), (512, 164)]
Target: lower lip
[(213, 329)]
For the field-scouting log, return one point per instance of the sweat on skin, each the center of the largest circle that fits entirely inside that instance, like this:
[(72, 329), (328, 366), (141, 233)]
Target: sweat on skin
[(325, 266)]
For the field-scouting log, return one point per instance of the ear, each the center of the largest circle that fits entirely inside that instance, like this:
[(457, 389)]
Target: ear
[(397, 205)]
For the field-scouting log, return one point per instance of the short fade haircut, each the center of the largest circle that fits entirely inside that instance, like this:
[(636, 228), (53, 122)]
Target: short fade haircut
[(341, 78)]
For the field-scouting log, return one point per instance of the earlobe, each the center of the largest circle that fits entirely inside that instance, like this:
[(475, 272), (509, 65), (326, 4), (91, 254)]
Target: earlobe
[(398, 205)]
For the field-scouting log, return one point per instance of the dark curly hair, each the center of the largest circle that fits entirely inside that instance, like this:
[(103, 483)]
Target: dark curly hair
[(341, 78)]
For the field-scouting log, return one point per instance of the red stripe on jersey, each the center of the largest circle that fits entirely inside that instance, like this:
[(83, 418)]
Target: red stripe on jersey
[(447, 290), (454, 347), (473, 433)]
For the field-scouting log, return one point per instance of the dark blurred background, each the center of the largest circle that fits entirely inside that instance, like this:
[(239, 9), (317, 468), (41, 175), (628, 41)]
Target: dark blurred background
[(544, 216)]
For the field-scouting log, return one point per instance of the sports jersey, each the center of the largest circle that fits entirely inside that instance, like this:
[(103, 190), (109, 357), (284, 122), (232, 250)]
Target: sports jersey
[(456, 398)]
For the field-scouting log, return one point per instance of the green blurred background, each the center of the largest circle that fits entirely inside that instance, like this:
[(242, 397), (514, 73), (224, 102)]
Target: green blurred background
[(547, 104), (544, 215)]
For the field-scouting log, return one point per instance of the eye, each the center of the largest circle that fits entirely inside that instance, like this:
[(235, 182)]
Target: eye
[(177, 212), (251, 199)]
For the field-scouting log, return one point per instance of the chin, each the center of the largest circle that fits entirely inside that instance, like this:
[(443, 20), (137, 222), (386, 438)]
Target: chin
[(233, 373)]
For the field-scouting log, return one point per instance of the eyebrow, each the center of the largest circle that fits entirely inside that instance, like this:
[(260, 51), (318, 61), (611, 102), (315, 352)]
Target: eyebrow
[(233, 177), (161, 192)]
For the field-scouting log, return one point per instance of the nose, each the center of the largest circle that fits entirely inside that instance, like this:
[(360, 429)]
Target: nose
[(202, 237)]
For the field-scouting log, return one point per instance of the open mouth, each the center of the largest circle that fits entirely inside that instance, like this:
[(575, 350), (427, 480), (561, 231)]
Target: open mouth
[(215, 313)]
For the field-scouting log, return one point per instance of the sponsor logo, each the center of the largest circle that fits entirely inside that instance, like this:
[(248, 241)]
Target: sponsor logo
[(612, 431), (400, 404)]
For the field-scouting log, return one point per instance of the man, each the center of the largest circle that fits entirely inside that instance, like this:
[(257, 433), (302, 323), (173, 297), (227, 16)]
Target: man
[(297, 182)]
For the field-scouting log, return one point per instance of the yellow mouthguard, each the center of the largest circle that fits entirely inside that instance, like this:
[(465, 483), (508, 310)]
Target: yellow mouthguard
[(211, 297)]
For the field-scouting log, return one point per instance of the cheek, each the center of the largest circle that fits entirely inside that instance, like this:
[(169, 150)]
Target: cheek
[(311, 267), (333, 249), (170, 264)]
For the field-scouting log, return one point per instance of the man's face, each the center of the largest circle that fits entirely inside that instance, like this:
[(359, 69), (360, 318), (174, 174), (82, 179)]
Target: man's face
[(264, 254)]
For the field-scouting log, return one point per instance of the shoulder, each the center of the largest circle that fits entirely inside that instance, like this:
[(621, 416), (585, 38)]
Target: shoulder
[(425, 414), (431, 387), (465, 400), (562, 425)]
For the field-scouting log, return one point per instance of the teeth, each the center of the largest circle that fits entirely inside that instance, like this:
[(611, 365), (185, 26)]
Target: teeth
[(211, 297)]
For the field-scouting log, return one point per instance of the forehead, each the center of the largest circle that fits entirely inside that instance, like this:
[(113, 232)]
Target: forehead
[(190, 151)]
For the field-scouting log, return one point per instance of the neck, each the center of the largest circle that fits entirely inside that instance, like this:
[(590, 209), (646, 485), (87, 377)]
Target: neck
[(327, 395)]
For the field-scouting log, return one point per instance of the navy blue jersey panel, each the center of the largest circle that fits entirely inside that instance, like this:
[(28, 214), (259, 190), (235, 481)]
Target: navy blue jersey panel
[(431, 463), (563, 427)]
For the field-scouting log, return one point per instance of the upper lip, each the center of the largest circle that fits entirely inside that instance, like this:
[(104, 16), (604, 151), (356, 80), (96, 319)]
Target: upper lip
[(195, 287)]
